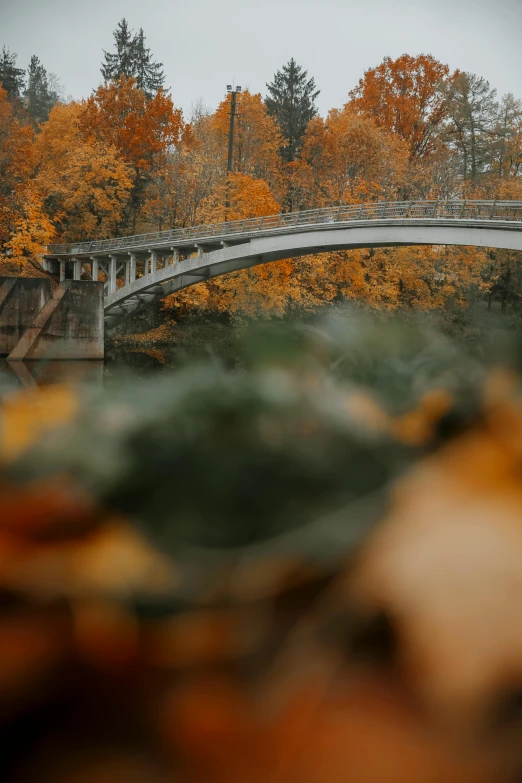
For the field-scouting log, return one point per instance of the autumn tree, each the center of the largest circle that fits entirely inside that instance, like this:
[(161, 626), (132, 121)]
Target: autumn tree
[(187, 175), (143, 131), (85, 183), (32, 230), (291, 101), (192, 175), (16, 165), (249, 197), (120, 114), (24, 226), (256, 141), (352, 159), (406, 97)]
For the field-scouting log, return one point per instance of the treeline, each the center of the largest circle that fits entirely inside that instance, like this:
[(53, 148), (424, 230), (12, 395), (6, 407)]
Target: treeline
[(33, 92), (126, 160)]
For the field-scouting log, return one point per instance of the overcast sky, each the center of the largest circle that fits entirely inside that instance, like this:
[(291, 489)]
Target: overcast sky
[(205, 44)]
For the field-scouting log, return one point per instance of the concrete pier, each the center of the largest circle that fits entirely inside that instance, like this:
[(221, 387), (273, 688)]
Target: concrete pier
[(67, 324), (21, 299)]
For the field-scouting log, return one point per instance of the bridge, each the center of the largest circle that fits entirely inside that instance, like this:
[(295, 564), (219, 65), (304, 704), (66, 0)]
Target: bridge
[(141, 269)]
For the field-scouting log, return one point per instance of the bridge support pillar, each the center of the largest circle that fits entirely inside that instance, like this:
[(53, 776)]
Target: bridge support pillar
[(153, 261), (113, 271), (95, 269), (69, 325), (62, 271), (175, 255), (145, 267), (77, 271), (132, 267), (200, 251)]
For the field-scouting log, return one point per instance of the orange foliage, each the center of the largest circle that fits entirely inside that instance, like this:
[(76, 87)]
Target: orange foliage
[(248, 198), (24, 227), (350, 159), (404, 97), (84, 183), (119, 114), (257, 138)]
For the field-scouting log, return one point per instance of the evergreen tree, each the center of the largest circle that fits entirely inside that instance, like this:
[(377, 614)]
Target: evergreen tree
[(472, 117), (133, 59), (291, 100), (39, 96), (11, 77), (121, 63), (149, 76)]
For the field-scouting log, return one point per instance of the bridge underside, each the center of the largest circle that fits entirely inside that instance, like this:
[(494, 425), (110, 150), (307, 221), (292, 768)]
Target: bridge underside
[(240, 253)]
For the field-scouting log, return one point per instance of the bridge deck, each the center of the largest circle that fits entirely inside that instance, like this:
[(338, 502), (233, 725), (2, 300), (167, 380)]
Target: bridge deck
[(216, 249)]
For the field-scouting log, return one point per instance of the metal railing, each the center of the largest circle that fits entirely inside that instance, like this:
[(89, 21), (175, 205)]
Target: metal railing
[(377, 211)]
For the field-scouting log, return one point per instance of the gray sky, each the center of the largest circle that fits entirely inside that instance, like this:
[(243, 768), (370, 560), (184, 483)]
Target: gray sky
[(204, 44)]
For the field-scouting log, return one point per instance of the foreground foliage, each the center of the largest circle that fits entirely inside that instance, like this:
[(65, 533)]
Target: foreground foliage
[(307, 567)]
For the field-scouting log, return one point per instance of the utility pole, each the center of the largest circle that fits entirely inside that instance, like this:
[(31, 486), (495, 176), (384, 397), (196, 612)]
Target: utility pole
[(233, 92)]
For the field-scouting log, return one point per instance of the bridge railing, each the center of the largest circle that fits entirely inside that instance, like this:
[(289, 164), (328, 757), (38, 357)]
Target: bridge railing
[(394, 210)]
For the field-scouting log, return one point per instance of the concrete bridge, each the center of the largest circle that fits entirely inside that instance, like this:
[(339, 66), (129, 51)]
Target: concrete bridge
[(140, 269)]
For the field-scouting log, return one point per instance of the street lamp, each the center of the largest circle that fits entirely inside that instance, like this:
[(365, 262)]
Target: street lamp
[(233, 95), (230, 163)]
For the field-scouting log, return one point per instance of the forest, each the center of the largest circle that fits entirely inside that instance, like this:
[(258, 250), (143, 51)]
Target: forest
[(126, 160)]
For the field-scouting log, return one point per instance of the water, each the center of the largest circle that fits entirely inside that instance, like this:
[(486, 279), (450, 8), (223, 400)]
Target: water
[(124, 360), (29, 375)]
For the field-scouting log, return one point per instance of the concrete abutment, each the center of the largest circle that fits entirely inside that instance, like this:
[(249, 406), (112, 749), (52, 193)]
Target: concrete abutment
[(36, 323)]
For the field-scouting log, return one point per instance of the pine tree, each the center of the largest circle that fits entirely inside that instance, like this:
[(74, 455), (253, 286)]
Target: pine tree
[(291, 101), (11, 77), (133, 59), (121, 63), (39, 96), (149, 76)]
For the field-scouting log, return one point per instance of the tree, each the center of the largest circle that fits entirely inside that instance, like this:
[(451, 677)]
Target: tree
[(507, 153), (193, 173), (85, 183), (120, 63), (32, 229), (404, 96), (257, 139), (120, 114), (132, 59), (473, 111), (143, 131), (11, 77), (16, 165), (249, 197), (149, 76), (24, 227), (291, 100), (352, 159), (187, 176), (39, 96)]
